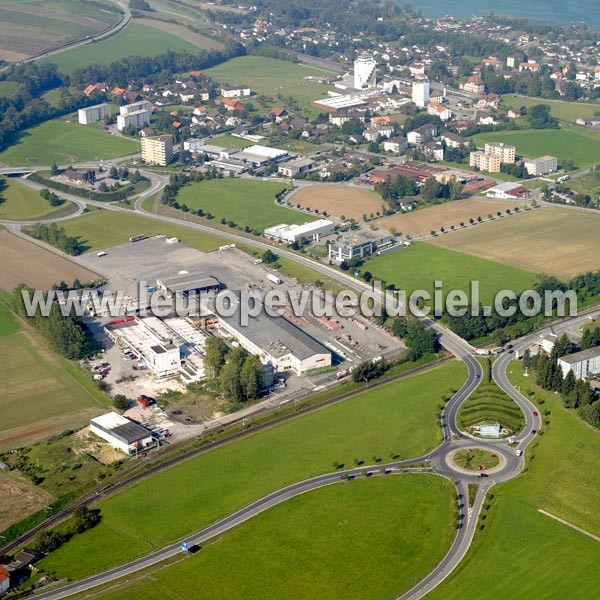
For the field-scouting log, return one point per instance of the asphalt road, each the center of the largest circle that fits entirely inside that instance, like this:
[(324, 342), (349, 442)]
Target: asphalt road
[(453, 437)]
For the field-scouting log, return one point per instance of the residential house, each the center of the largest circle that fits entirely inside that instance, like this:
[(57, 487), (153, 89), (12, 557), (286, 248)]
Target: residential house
[(95, 87), (474, 85), (588, 121), (234, 91), (439, 110), (396, 144), (231, 104), (4, 580), (422, 134), (454, 140), (513, 113), (371, 135), (278, 114), (434, 151)]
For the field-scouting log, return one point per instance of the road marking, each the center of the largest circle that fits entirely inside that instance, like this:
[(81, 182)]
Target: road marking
[(544, 512)]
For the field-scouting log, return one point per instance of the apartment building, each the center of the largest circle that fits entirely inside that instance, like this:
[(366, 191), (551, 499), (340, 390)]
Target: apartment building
[(157, 150), (93, 114), (503, 151), (485, 162), (137, 115)]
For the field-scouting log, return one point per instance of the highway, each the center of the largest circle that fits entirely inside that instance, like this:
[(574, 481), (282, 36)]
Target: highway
[(453, 438)]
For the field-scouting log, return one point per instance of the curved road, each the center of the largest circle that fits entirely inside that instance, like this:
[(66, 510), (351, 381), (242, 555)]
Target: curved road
[(453, 438)]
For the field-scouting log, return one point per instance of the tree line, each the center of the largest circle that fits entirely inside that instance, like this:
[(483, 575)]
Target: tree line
[(576, 393), (56, 236)]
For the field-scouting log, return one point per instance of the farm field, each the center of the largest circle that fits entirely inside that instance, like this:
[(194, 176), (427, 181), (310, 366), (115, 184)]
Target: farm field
[(135, 40), (313, 546), (246, 202), (103, 229), (18, 499), (28, 28), (523, 553), (48, 400), (566, 111), (183, 33), (569, 142), (25, 262), (397, 419), (348, 201), (421, 222), (270, 77), (19, 202), (418, 266), (557, 241), (65, 141)]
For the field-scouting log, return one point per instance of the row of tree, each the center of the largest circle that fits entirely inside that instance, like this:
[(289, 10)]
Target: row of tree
[(83, 519), (52, 198), (56, 236)]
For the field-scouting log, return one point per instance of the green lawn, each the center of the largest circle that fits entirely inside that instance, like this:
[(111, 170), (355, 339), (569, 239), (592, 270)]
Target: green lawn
[(275, 79), (420, 265), (522, 553), (102, 229), (135, 40), (65, 141), (367, 540), (489, 404), (227, 141), (569, 142), (398, 419), (38, 388), (19, 202), (566, 111), (246, 202)]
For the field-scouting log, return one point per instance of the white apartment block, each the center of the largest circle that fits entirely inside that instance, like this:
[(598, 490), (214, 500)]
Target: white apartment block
[(137, 115), (420, 93), (365, 72), (157, 150), (93, 114), (235, 91), (540, 166), (503, 151)]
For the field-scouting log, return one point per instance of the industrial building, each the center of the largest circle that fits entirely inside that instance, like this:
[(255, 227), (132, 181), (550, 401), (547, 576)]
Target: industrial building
[(508, 191), (293, 167), (340, 102), (137, 115), (168, 348), (157, 149), (360, 245), (584, 364), (259, 156), (296, 233), (276, 341), (122, 433), (365, 72), (93, 114), (187, 283), (540, 166)]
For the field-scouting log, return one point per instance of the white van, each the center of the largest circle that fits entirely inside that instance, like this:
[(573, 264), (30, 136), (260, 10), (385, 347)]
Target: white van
[(519, 452)]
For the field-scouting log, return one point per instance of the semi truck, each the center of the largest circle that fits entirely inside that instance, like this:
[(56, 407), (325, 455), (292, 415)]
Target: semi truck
[(273, 278)]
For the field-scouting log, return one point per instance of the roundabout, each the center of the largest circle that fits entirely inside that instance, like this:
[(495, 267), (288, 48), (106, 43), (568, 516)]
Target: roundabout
[(476, 459)]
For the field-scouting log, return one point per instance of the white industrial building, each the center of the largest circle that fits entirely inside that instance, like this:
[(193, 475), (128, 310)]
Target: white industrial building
[(93, 114), (365, 72), (276, 341), (420, 93), (584, 364), (258, 155), (296, 233), (136, 115), (122, 433), (168, 348)]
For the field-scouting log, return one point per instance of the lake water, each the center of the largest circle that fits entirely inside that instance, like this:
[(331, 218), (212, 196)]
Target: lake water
[(564, 12)]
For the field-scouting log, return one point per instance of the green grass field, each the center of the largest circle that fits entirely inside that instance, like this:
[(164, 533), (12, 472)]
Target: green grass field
[(566, 111), (19, 202), (522, 553), (274, 79), (398, 419), (8, 88), (244, 201), (420, 265), (365, 539), (65, 141), (135, 40), (576, 144), (489, 404), (102, 229), (227, 141), (37, 387)]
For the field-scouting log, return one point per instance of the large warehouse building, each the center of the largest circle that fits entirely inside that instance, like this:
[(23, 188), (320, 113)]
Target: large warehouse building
[(188, 283), (295, 233), (277, 342), (121, 433)]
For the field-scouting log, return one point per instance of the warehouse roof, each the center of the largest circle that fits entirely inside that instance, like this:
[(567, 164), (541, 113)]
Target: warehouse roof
[(121, 428), (188, 282)]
